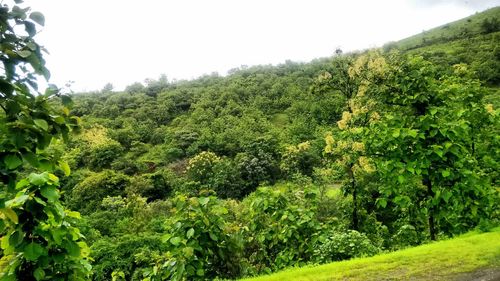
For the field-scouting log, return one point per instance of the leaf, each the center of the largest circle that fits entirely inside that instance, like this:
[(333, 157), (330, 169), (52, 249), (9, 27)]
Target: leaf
[(382, 202), (38, 179), (65, 167), (396, 133), (445, 173), (38, 18), (433, 111), (190, 233), (31, 158), (9, 213), (203, 200), (213, 236), (175, 241), (33, 251), (16, 238), (72, 248), (17, 201), (413, 133), (49, 192), (42, 124), (39, 274), (401, 179), (24, 53), (200, 272), (12, 161)]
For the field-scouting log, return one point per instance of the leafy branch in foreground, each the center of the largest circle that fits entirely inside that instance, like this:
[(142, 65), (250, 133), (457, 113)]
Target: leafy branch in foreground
[(38, 238)]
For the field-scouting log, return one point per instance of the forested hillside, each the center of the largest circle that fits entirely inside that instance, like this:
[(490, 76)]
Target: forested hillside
[(271, 167)]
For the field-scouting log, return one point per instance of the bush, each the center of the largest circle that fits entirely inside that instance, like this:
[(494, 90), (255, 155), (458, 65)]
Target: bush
[(202, 244), (282, 228), (343, 245)]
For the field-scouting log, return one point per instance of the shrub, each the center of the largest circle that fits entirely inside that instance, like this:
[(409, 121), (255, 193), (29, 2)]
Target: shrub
[(202, 244), (343, 245)]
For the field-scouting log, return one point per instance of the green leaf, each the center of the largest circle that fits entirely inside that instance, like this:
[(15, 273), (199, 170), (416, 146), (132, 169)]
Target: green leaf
[(433, 111), (38, 18), (65, 167), (16, 238), (31, 158), (413, 133), (200, 272), (10, 214), (396, 133), (175, 241), (42, 124), (24, 53), (33, 251), (382, 202), (39, 274), (12, 161), (17, 201), (213, 236), (38, 179), (203, 200), (72, 248), (50, 192), (445, 173), (401, 179), (190, 233)]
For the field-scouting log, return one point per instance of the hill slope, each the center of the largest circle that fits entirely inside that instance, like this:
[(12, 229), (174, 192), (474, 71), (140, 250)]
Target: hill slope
[(446, 260), (464, 28)]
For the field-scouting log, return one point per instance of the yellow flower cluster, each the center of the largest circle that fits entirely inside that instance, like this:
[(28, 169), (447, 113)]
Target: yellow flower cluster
[(378, 65), (489, 108), (346, 117), (96, 136), (330, 142), (324, 76), (356, 68), (374, 117), (358, 146), (365, 164), (362, 89)]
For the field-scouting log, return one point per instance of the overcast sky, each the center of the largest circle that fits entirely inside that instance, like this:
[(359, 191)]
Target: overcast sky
[(93, 42)]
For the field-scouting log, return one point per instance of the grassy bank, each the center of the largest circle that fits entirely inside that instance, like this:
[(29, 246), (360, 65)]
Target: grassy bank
[(436, 261)]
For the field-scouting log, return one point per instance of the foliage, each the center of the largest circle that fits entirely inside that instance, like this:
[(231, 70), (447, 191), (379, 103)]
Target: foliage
[(282, 228), (344, 245), (201, 243), (39, 237)]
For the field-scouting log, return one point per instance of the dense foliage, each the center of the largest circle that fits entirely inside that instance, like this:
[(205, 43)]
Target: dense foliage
[(266, 168)]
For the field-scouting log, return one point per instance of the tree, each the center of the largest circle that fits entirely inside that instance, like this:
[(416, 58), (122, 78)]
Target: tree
[(428, 130), (346, 147), (39, 239)]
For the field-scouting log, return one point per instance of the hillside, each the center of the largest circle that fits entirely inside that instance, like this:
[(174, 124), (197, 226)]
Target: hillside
[(472, 26), (469, 257), (265, 169)]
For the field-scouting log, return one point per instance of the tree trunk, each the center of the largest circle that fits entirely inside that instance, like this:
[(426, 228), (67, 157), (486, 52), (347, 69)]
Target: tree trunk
[(430, 194), (355, 219)]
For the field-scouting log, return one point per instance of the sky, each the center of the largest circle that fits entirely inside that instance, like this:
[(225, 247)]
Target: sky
[(95, 42)]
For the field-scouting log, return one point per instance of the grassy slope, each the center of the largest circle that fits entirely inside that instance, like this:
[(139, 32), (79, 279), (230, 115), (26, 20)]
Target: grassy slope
[(437, 261), (467, 27)]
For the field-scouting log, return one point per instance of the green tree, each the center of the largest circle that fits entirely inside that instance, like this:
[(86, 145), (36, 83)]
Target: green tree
[(429, 132), (39, 239)]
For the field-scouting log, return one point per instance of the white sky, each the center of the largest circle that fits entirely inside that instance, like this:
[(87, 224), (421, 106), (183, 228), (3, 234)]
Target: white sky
[(93, 42)]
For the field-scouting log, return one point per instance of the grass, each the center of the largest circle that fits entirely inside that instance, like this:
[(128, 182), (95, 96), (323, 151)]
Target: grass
[(436, 261), (469, 26)]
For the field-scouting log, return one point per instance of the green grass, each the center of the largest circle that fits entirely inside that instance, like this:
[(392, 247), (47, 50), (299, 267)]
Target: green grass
[(469, 26), (436, 261)]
